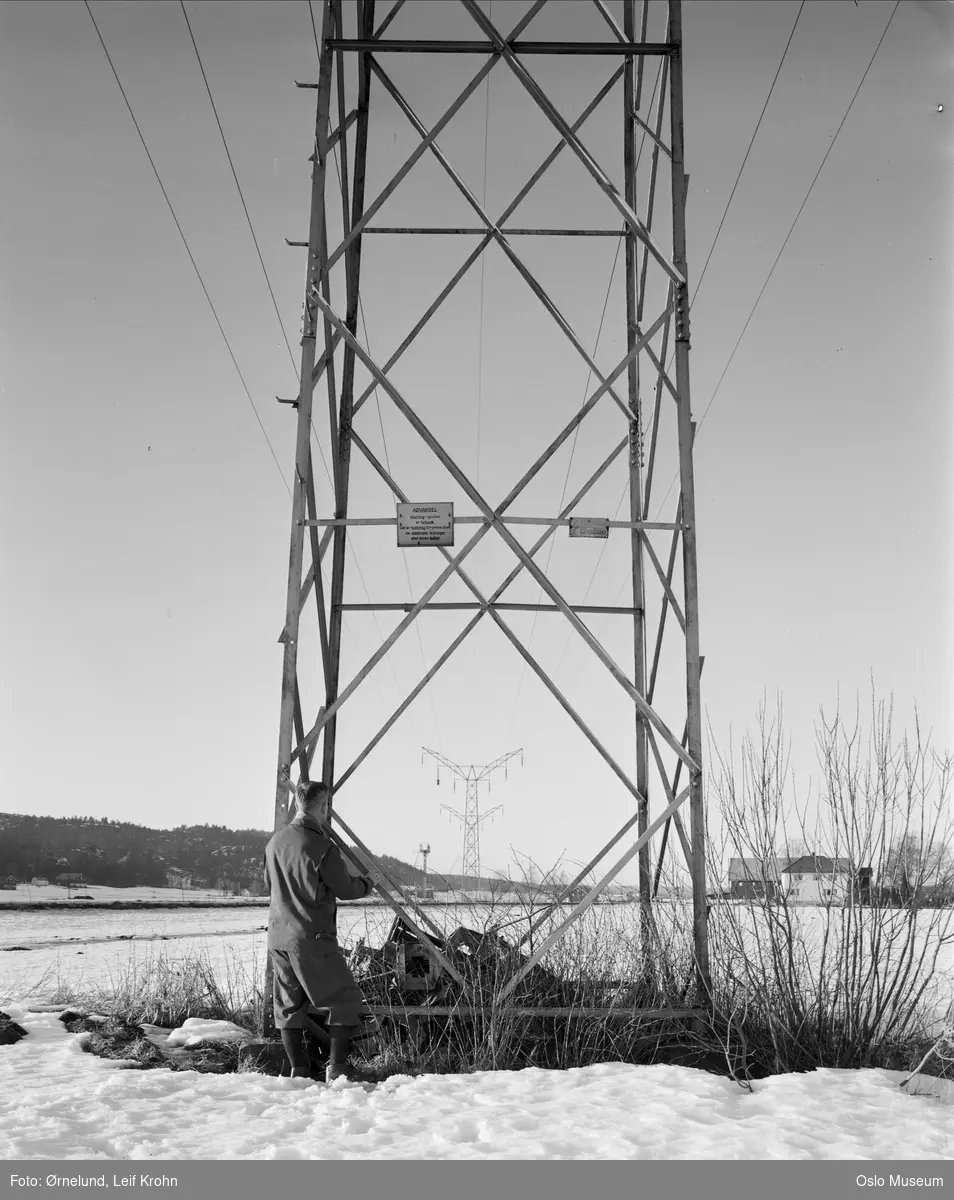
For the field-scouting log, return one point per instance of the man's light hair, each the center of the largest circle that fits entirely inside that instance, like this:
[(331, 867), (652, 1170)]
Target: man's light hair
[(311, 800)]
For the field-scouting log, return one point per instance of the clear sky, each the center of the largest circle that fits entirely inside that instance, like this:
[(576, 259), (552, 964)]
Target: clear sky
[(145, 521)]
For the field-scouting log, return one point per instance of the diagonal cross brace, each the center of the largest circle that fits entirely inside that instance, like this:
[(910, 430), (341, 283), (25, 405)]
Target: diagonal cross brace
[(602, 179), (494, 232), (326, 713), (493, 517), (590, 897), (418, 152), (508, 212), (503, 626), (497, 234)]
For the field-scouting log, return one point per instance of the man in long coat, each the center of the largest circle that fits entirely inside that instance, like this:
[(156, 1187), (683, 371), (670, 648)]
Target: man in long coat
[(305, 874)]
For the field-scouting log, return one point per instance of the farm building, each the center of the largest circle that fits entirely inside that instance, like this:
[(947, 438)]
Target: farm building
[(71, 879), (755, 878), (818, 879), (39, 881), (9, 884)]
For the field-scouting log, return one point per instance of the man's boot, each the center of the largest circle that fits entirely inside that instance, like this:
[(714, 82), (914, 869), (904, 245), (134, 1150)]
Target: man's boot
[(338, 1062), (293, 1041)]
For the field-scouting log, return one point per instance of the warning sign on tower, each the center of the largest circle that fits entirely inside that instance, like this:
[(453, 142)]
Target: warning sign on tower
[(589, 527), (425, 524)]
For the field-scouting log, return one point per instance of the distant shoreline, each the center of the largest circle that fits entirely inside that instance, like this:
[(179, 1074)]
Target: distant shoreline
[(75, 905), (243, 902)]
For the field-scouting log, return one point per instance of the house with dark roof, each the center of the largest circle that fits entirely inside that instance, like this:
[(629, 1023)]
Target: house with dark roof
[(820, 879)]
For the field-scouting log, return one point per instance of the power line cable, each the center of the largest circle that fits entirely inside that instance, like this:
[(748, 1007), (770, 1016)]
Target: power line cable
[(185, 243), (801, 207), (695, 293), (735, 186), (738, 177), (228, 155), (268, 282), (784, 244), (715, 240), (248, 218), (188, 248)]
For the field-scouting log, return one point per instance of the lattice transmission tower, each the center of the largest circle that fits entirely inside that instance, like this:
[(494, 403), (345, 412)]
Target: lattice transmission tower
[(471, 818), (632, 163)]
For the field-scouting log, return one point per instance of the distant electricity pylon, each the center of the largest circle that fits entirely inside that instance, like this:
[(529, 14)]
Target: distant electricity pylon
[(471, 818)]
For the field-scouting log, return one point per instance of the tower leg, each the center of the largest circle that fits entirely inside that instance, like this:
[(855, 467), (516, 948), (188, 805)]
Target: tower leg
[(689, 564), (351, 214), (316, 238), (635, 475)]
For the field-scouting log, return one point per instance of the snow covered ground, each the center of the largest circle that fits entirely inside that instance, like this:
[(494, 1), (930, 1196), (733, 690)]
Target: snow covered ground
[(59, 1103), (79, 948), (43, 950)]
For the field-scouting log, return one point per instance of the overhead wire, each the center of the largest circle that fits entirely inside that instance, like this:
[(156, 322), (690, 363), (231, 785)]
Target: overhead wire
[(784, 244), (729, 204), (712, 247), (715, 240), (185, 243), (261, 260), (755, 134), (801, 208), (238, 186), (228, 154)]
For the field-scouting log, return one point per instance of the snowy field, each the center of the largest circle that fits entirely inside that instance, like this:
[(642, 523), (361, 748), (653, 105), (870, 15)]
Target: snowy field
[(43, 949), (56, 1102), (59, 1103), (40, 950)]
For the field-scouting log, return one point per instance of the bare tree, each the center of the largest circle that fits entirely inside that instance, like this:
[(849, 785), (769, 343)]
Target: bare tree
[(917, 860)]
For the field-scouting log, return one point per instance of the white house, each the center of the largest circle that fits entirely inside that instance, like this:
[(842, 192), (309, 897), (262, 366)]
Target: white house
[(818, 879)]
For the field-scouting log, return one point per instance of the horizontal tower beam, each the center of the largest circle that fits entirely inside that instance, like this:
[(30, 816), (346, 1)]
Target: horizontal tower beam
[(431, 46), (471, 606)]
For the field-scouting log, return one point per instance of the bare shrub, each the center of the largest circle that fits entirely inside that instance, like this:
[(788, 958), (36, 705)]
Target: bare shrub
[(846, 981), (156, 990)]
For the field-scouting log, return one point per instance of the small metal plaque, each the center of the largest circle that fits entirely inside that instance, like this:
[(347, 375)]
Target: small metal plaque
[(589, 527), (425, 524)]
